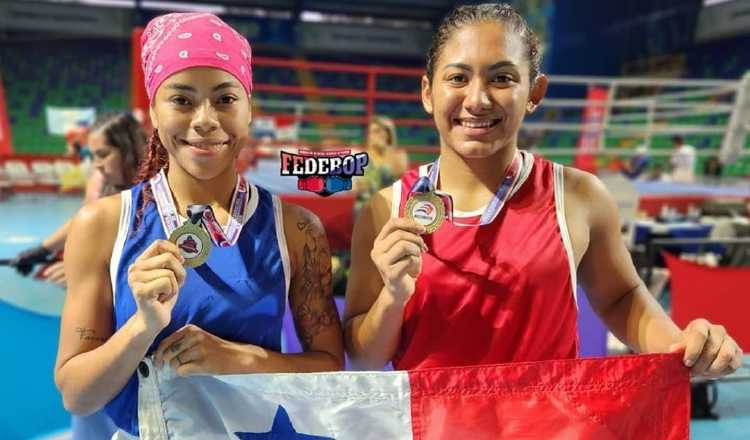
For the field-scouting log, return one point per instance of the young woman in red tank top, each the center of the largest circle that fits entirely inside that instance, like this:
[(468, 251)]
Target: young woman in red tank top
[(496, 281)]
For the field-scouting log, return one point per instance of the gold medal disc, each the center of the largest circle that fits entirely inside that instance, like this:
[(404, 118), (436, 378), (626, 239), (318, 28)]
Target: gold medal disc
[(193, 242), (426, 209)]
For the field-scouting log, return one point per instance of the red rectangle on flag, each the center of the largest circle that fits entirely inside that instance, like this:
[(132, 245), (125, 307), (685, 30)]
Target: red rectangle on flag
[(628, 397)]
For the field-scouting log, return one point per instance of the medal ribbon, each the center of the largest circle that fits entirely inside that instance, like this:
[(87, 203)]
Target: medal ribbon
[(501, 196), (203, 213)]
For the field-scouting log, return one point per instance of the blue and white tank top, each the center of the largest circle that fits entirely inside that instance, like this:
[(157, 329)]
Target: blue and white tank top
[(239, 294)]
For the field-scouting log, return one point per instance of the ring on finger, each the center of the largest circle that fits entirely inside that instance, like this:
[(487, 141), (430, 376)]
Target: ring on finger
[(175, 347), (179, 360)]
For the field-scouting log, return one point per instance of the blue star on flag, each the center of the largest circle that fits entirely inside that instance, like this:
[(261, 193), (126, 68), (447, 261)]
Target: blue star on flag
[(282, 429)]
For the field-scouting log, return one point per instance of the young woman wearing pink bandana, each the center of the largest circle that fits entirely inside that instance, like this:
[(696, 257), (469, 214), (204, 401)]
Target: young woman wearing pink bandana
[(211, 299)]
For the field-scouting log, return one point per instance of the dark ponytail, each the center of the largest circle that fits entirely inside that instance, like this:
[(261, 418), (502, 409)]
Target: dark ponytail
[(156, 159)]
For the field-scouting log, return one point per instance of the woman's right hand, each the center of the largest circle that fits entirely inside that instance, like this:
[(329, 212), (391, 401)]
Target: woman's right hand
[(397, 253), (155, 278)]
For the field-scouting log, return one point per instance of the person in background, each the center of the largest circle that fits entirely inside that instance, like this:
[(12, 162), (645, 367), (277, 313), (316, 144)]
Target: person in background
[(637, 165), (76, 144), (117, 144), (387, 161), (682, 161)]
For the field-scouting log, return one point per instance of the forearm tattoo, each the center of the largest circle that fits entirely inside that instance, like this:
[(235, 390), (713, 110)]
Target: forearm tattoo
[(311, 301), (88, 334)]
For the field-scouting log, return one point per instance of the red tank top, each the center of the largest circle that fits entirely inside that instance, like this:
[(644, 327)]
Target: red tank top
[(502, 292)]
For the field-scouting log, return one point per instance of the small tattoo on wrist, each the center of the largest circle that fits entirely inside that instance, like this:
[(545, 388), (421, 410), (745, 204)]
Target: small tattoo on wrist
[(88, 334)]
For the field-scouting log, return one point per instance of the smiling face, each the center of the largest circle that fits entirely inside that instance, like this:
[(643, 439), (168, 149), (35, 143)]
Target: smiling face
[(202, 116), (480, 89)]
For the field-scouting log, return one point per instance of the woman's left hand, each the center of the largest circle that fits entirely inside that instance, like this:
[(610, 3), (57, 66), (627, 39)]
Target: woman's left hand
[(192, 350), (709, 351)]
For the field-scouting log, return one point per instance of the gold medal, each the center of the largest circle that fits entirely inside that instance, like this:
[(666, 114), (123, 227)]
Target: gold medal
[(193, 242), (427, 209)]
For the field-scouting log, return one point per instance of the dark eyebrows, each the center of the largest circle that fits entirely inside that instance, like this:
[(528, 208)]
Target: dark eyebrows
[(495, 66), (180, 87), (187, 88), (502, 64), (226, 85), (461, 66)]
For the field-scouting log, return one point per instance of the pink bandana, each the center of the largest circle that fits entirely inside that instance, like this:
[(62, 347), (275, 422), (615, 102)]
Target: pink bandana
[(175, 42)]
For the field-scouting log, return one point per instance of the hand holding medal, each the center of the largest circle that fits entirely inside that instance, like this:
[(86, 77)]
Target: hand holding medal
[(191, 239), (195, 237), (426, 206), (397, 250), (155, 278), (397, 254)]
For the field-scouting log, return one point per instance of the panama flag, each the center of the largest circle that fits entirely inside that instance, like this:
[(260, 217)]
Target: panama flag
[(630, 397)]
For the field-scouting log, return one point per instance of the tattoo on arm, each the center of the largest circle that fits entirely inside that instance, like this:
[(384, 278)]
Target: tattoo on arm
[(88, 334), (311, 301)]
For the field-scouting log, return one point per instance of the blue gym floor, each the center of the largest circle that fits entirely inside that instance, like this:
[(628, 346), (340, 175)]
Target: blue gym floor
[(29, 323)]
